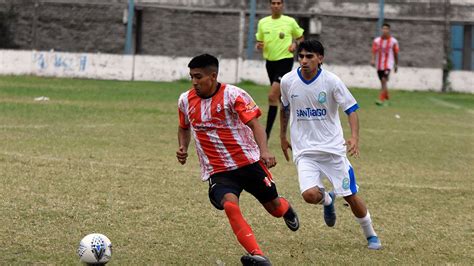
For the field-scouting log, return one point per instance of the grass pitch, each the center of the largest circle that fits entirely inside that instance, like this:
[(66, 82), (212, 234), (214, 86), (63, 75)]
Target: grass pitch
[(99, 156)]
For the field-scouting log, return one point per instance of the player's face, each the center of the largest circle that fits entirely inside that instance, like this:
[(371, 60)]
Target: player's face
[(277, 7), (203, 81), (385, 31), (309, 61)]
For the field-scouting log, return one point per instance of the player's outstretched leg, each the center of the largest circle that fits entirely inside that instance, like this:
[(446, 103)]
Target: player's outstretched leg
[(241, 228), (362, 216), (280, 207), (255, 260)]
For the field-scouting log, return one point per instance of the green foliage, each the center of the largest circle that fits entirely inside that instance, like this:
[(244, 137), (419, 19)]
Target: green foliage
[(99, 156)]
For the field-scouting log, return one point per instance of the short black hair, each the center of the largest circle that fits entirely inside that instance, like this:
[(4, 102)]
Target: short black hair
[(386, 25), (281, 1), (311, 45), (204, 61)]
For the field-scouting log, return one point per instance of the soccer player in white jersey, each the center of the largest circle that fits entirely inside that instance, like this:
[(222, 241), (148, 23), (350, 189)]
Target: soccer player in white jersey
[(311, 97), (232, 150), (385, 58)]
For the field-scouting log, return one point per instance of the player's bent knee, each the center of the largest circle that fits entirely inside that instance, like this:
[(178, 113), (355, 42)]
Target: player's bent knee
[(218, 194), (312, 195)]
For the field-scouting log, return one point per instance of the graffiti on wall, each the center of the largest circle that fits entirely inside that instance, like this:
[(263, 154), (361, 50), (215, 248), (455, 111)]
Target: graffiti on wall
[(59, 61)]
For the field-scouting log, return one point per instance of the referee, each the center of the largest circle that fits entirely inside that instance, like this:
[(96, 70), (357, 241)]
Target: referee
[(278, 35)]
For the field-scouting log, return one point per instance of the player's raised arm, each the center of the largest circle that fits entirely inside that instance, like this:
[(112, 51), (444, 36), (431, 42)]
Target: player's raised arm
[(261, 139)]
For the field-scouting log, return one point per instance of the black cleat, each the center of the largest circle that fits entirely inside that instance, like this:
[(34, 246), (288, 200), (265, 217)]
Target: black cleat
[(255, 260), (291, 219)]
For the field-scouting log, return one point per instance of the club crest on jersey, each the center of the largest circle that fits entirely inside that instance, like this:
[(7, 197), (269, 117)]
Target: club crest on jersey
[(219, 108), (322, 97)]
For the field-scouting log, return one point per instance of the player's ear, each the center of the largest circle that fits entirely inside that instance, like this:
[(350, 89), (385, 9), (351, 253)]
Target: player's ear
[(321, 57), (214, 75)]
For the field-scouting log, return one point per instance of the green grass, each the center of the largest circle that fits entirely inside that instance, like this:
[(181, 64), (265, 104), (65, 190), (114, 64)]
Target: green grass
[(100, 157)]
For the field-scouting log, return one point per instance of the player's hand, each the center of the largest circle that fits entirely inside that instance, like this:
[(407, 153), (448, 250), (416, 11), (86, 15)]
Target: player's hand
[(285, 145), (352, 145), (268, 159), (395, 69), (259, 45), (292, 47), (372, 62), (182, 155)]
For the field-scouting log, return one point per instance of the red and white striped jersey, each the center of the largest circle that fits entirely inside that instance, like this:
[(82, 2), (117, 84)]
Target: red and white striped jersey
[(384, 50), (218, 124)]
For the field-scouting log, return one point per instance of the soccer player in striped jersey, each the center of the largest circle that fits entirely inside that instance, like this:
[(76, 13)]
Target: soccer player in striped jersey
[(385, 58), (311, 97), (232, 150)]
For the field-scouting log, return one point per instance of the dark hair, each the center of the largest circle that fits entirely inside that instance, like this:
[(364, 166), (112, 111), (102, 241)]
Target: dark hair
[(312, 46), (205, 61), (271, 1), (386, 25)]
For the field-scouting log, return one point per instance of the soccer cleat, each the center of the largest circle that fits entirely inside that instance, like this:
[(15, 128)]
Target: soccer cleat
[(255, 260), (374, 243), (382, 103), (291, 219), (330, 211)]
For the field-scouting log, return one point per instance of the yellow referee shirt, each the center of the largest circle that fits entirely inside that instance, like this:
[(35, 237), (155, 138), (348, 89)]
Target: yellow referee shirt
[(277, 35)]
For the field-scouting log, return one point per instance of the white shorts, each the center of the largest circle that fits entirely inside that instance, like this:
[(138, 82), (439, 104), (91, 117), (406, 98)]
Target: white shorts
[(337, 169)]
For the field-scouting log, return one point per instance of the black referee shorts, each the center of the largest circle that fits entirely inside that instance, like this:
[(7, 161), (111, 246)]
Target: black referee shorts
[(277, 69), (253, 178)]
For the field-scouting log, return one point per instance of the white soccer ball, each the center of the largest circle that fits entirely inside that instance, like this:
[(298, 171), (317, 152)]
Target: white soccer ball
[(95, 249)]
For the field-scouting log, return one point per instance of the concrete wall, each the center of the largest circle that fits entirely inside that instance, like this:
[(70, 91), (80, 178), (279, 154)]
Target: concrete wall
[(162, 68), (188, 27)]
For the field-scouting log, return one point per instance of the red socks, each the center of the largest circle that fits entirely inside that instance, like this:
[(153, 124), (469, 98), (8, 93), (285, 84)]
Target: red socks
[(282, 209), (383, 95), (241, 229)]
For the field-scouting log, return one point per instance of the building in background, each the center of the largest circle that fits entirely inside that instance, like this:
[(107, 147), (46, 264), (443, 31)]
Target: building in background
[(427, 30)]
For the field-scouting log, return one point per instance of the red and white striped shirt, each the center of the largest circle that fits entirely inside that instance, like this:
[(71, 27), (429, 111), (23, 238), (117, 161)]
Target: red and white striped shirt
[(223, 140), (384, 50)]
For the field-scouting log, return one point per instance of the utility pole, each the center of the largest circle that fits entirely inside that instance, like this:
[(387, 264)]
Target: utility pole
[(35, 26), (251, 35), (447, 51), (381, 17), (128, 40)]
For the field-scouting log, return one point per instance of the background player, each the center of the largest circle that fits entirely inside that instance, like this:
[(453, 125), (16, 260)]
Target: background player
[(232, 150), (384, 57), (311, 98), (275, 35)]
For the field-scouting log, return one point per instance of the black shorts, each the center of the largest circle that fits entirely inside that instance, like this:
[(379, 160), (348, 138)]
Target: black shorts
[(254, 178), (383, 73), (277, 69)]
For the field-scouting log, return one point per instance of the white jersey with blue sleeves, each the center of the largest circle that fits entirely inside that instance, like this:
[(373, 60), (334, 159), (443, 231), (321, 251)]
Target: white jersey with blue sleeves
[(315, 126)]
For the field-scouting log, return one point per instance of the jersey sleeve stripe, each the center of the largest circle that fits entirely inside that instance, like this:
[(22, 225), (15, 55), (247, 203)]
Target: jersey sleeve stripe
[(352, 109)]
